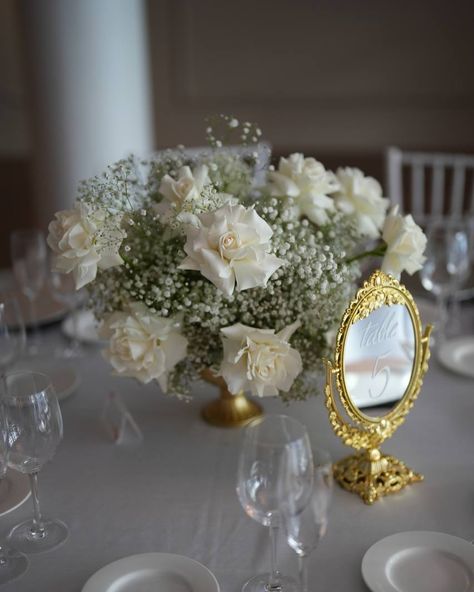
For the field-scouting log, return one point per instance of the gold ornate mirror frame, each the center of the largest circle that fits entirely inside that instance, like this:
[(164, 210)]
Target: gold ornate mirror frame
[(370, 473)]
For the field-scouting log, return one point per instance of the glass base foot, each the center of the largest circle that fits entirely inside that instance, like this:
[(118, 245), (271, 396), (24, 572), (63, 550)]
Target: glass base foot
[(26, 539), (12, 565), (260, 584)]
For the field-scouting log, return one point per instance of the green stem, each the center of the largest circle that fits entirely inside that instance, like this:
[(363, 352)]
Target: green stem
[(377, 252)]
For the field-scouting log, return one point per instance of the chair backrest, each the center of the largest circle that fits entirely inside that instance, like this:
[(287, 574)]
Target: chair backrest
[(439, 184)]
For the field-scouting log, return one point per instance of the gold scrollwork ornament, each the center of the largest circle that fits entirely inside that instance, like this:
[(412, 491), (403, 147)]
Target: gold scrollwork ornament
[(370, 473)]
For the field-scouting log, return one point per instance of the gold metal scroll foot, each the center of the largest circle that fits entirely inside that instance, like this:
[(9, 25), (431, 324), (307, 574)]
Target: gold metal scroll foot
[(356, 474)]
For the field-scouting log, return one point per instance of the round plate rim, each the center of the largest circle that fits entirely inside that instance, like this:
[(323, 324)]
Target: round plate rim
[(16, 476), (95, 579), (446, 355), (387, 546)]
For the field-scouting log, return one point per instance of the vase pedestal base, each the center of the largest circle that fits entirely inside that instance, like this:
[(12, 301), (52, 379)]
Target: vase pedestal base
[(231, 411)]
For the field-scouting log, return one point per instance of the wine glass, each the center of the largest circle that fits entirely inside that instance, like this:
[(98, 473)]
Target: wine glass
[(12, 563), (12, 333), (29, 259), (63, 289), (35, 429), (447, 263), (306, 527), (275, 469)]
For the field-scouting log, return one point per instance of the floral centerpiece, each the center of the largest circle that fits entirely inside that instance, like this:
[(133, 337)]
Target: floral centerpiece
[(211, 260)]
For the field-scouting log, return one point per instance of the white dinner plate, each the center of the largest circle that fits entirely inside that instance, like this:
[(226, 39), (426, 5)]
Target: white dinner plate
[(153, 572), (84, 329), (64, 377), (419, 562), (458, 355), (14, 490), (48, 310)]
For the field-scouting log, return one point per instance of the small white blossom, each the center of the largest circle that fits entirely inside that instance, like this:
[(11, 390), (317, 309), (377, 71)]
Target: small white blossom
[(177, 192)]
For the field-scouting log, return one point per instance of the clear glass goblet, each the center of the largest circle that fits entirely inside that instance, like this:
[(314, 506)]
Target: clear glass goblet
[(447, 265), (12, 563), (305, 527), (12, 333), (35, 428), (29, 260), (63, 289), (275, 470)]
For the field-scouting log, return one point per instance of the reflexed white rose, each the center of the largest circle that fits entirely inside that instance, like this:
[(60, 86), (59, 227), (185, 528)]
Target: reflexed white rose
[(186, 188), (83, 240), (406, 243), (259, 360), (361, 197), (309, 183), (143, 345), (231, 248)]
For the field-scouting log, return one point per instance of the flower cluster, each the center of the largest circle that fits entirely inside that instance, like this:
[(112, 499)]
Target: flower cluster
[(194, 264)]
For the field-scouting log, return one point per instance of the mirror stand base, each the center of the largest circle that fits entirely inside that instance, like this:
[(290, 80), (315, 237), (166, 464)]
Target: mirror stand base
[(372, 475)]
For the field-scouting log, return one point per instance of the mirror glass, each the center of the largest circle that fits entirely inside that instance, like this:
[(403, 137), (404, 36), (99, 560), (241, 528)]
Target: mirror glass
[(379, 354)]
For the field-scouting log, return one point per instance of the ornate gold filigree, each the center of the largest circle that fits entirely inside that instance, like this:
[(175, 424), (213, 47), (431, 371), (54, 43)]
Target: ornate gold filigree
[(371, 474)]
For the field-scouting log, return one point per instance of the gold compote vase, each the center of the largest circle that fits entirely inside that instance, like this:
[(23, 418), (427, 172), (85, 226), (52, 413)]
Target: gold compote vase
[(228, 411)]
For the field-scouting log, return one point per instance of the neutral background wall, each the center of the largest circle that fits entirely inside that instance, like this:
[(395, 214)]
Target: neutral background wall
[(338, 79)]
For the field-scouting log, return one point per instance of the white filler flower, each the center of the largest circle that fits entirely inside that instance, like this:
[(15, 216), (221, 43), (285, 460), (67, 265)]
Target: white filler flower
[(259, 360), (143, 345), (309, 183), (361, 197), (85, 239), (186, 188), (231, 247), (406, 243)]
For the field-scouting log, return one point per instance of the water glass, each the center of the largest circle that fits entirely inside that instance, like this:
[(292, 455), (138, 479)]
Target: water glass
[(63, 289), (447, 265), (35, 428), (12, 333), (305, 527), (275, 471), (29, 260), (12, 563)]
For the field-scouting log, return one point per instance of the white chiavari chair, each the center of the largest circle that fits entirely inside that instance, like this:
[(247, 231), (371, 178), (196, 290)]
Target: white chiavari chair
[(440, 184)]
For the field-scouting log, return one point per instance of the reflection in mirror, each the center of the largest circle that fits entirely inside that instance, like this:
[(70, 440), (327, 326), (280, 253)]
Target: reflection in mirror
[(378, 359)]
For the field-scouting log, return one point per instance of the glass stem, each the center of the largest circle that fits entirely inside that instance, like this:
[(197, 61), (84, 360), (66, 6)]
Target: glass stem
[(34, 321), (274, 583), (37, 530), (303, 572), (443, 315)]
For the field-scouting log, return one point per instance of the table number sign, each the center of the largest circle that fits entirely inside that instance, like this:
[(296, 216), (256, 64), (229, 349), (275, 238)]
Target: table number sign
[(380, 359), (120, 425)]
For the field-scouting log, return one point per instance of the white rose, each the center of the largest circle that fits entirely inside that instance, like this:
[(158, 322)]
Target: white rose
[(406, 243), (186, 188), (84, 239), (259, 360), (143, 345), (231, 247), (308, 182), (361, 197)]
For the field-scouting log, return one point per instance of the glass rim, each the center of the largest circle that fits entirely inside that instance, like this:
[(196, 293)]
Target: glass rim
[(47, 382), (250, 428)]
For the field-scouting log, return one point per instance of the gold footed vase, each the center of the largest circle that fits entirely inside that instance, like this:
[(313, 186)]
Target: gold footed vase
[(228, 411)]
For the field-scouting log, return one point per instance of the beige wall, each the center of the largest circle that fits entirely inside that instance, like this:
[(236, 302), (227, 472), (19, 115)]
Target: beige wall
[(328, 76)]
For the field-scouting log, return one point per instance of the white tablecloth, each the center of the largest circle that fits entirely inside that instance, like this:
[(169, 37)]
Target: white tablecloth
[(176, 492)]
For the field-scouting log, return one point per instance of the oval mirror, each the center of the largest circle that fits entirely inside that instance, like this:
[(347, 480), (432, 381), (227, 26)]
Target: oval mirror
[(379, 358)]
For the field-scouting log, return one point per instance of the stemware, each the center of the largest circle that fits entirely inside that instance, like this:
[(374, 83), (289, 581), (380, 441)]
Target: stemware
[(12, 563), (29, 260), (63, 289), (35, 428), (275, 470), (12, 333), (306, 527), (447, 263)]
